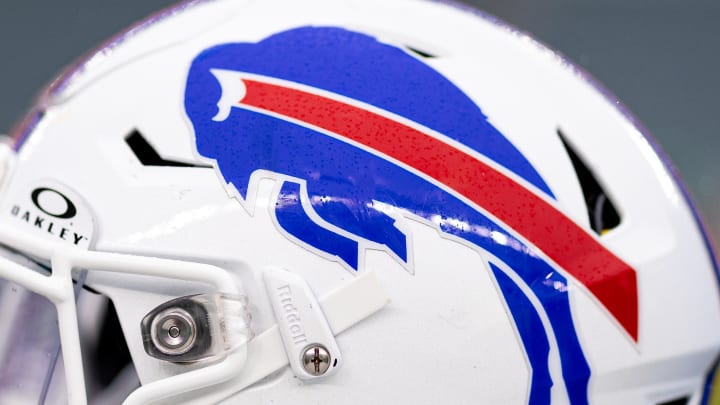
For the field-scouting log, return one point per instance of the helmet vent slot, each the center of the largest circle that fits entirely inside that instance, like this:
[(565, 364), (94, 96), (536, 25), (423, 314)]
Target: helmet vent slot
[(148, 156), (678, 401), (420, 53), (601, 211)]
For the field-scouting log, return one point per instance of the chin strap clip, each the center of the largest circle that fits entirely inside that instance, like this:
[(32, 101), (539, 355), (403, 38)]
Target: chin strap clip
[(304, 335), (309, 341)]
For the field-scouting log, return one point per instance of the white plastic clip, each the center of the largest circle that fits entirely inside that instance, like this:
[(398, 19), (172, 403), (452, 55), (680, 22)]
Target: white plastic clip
[(309, 341)]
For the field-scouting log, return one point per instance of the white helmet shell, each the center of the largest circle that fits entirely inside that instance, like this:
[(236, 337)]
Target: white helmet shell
[(448, 209)]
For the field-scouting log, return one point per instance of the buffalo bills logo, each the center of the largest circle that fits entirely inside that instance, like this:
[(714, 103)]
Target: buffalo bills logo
[(359, 133)]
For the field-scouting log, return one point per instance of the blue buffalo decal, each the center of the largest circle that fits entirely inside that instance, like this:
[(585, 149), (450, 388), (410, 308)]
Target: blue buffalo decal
[(351, 126)]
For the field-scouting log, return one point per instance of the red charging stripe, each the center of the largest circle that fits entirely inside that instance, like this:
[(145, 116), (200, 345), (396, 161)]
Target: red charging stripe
[(610, 279)]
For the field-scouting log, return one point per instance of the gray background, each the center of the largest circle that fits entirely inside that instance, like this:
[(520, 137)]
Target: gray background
[(659, 56)]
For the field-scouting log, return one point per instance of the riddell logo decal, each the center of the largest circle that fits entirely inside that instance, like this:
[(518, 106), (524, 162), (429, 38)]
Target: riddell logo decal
[(51, 217), (292, 316)]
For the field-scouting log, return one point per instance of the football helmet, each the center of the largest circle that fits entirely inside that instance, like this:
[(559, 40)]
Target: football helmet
[(303, 202)]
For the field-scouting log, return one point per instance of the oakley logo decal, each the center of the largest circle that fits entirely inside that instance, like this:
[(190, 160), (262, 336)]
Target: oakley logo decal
[(68, 212)]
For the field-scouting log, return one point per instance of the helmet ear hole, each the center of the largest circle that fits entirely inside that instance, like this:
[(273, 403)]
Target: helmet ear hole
[(601, 211), (109, 370), (111, 349)]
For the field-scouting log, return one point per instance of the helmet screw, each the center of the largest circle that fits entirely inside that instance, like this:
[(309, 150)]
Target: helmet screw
[(316, 360), (173, 331)]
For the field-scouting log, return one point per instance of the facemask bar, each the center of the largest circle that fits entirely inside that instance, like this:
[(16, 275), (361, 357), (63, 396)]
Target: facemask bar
[(58, 288)]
